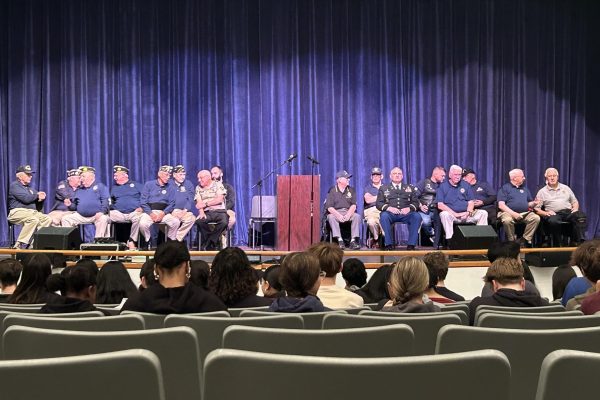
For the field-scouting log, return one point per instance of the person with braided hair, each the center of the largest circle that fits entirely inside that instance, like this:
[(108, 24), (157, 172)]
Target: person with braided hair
[(408, 282)]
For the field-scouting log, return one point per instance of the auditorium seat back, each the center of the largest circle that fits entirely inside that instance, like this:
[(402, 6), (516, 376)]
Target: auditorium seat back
[(377, 341)]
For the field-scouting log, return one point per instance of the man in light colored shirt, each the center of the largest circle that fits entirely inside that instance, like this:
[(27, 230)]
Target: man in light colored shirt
[(333, 296), (212, 217), (558, 204)]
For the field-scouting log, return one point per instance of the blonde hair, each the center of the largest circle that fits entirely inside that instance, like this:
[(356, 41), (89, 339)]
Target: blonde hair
[(409, 279)]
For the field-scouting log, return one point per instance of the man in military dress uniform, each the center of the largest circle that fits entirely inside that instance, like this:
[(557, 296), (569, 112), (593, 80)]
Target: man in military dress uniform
[(398, 202)]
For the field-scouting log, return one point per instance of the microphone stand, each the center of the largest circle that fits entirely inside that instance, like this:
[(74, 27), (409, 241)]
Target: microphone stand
[(259, 184)]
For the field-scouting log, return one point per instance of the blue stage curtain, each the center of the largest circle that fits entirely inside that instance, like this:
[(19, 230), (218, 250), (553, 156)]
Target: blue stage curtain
[(491, 85)]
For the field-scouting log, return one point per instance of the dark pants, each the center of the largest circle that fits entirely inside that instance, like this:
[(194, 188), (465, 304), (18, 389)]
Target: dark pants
[(412, 219), (553, 225), (212, 228)]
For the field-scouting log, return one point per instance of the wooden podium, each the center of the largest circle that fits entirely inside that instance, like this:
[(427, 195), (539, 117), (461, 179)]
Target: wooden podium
[(293, 216)]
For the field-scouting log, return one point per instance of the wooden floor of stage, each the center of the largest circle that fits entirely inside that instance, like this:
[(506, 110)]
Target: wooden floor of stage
[(259, 258)]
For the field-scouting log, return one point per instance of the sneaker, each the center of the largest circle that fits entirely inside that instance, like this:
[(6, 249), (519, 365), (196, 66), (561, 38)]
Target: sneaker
[(389, 247), (354, 245), (410, 247), (131, 245), (20, 246)]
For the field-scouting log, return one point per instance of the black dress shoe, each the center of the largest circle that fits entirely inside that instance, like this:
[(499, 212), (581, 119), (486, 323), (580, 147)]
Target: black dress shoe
[(410, 247), (354, 245), (389, 247), (341, 244)]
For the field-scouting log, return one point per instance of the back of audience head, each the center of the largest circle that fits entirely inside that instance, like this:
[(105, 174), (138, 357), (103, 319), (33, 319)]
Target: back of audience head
[(354, 273), (171, 264), (88, 263), (376, 289), (583, 256), (409, 280), (114, 283), (592, 271), (147, 277), (32, 287), (271, 287), (437, 262), (560, 279), (505, 271), (300, 274), (232, 277), (10, 270), (77, 282), (330, 257), (199, 271)]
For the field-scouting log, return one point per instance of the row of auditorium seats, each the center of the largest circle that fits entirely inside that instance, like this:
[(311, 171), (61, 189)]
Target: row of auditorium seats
[(183, 346)]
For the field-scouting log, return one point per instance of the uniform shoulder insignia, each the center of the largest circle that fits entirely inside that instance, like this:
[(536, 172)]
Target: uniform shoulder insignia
[(408, 189)]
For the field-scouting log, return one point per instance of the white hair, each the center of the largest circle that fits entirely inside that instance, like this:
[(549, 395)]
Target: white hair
[(512, 172), (455, 168), (548, 170)]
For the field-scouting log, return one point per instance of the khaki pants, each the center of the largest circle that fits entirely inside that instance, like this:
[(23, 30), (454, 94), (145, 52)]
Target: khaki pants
[(31, 220), (57, 216), (530, 219), (133, 217), (185, 224), (479, 217), (372, 216), (101, 223), (169, 220)]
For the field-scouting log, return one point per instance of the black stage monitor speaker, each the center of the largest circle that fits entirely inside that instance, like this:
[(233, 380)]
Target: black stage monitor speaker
[(57, 238), (468, 237), (548, 258)]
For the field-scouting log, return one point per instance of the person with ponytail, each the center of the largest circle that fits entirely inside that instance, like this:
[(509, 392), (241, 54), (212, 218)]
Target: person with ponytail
[(78, 287), (408, 282), (174, 293)]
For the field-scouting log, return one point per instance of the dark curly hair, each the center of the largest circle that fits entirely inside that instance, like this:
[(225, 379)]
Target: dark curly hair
[(232, 277)]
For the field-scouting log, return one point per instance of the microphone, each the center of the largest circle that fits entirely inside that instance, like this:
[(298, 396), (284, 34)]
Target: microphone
[(312, 159), (291, 157)]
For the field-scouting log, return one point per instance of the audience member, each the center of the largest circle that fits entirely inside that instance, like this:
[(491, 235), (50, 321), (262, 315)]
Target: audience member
[(509, 249), (232, 279), (589, 269), (408, 282), (271, 287), (300, 277), (376, 289), (439, 262), (560, 278), (78, 285), (433, 280), (10, 270), (506, 277), (114, 284), (32, 287), (88, 263), (354, 273), (173, 294), (147, 275), (332, 296), (200, 271), (591, 303), (581, 258)]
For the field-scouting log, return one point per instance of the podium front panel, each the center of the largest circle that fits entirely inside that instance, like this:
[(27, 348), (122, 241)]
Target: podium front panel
[(294, 212)]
